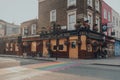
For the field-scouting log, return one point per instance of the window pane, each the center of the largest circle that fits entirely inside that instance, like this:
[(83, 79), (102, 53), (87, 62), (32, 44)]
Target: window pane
[(73, 45), (72, 21), (60, 47)]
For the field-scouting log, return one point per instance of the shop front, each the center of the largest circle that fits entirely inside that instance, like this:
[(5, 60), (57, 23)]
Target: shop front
[(31, 46), (71, 44)]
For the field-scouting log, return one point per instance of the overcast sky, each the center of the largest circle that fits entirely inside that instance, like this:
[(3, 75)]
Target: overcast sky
[(115, 4), (18, 11)]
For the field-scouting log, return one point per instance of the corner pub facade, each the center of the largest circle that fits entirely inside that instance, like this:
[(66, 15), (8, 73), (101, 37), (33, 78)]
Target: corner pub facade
[(68, 29), (64, 36)]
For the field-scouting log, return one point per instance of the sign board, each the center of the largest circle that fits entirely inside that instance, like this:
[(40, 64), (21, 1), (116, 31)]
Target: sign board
[(109, 25), (104, 28), (63, 27)]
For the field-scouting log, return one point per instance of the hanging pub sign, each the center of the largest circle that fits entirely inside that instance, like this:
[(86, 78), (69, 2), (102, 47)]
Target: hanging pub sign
[(104, 28)]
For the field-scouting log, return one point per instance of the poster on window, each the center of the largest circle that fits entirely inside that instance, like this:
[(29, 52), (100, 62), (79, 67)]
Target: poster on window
[(33, 46), (7, 45), (16, 47), (11, 47)]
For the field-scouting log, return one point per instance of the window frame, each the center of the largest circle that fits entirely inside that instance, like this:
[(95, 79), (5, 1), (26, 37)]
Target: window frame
[(97, 21), (97, 5), (32, 29), (68, 19), (105, 14), (90, 3), (90, 20), (53, 15)]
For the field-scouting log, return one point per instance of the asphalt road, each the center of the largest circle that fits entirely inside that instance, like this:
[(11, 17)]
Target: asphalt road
[(94, 71)]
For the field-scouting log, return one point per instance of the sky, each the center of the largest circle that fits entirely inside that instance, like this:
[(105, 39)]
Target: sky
[(115, 4), (18, 11)]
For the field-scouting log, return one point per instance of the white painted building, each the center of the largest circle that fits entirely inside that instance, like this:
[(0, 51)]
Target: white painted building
[(2, 28), (8, 29), (116, 23), (12, 29)]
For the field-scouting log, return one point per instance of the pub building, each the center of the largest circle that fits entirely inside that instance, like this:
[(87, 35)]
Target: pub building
[(81, 43), (9, 45), (30, 41), (70, 29), (67, 39)]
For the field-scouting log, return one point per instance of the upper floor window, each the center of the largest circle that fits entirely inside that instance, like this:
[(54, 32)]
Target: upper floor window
[(113, 20), (25, 31), (109, 18), (52, 15), (105, 14), (90, 18), (97, 5), (71, 20), (90, 2), (116, 21), (98, 23), (71, 2), (33, 29), (119, 23)]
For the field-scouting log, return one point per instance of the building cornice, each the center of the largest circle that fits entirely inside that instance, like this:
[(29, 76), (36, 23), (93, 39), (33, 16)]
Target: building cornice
[(41, 0)]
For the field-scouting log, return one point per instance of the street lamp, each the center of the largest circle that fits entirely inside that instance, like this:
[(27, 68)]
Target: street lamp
[(56, 31), (20, 44)]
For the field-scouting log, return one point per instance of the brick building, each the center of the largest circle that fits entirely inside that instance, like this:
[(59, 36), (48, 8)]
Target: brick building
[(30, 38), (66, 12), (72, 43), (106, 18)]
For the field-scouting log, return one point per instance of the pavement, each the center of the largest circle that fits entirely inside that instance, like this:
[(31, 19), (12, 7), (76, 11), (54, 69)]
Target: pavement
[(22, 73), (4, 63), (114, 61), (50, 69)]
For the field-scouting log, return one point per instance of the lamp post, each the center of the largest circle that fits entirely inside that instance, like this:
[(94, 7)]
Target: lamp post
[(56, 31), (20, 44)]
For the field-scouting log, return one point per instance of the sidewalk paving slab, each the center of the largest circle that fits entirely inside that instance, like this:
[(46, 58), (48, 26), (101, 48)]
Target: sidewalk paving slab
[(115, 61)]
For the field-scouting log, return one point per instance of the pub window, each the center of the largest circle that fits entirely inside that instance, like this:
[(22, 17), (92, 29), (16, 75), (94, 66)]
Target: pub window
[(54, 47), (60, 47), (73, 45)]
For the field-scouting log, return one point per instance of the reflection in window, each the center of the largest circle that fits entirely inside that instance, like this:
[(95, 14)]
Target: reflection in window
[(54, 47), (60, 47)]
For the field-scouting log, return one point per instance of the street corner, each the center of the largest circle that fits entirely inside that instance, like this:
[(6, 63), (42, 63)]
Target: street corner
[(4, 63)]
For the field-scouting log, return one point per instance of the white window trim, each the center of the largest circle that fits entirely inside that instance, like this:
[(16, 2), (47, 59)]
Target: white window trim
[(97, 6), (90, 3), (69, 4), (109, 16), (32, 32), (97, 23), (69, 13), (105, 14), (23, 31), (51, 19), (91, 24)]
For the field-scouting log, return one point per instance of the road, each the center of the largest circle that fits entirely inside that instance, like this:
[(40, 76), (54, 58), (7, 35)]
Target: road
[(59, 70), (99, 72)]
